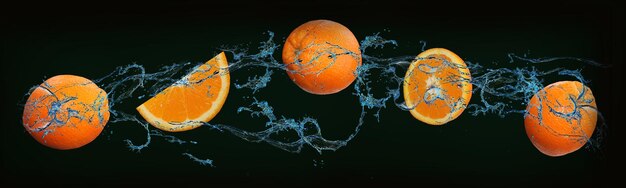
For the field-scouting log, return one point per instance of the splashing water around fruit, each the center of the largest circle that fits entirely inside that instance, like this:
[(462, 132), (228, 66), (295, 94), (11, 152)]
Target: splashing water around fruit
[(495, 88)]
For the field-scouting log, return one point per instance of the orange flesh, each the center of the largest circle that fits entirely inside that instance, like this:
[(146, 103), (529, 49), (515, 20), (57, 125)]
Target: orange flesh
[(437, 87), (195, 98), (433, 95)]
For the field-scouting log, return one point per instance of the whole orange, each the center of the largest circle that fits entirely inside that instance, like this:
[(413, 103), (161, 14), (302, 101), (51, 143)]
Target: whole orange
[(322, 56), (561, 118), (66, 112)]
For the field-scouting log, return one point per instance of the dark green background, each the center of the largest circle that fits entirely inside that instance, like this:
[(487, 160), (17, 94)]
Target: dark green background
[(91, 39)]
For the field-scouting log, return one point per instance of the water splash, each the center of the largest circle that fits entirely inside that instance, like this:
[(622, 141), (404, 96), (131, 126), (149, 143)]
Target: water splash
[(497, 89), (508, 85), (501, 88), (203, 162), (307, 129), (126, 82)]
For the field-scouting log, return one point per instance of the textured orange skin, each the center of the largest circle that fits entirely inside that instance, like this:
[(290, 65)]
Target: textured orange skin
[(312, 43), (74, 133), (557, 136)]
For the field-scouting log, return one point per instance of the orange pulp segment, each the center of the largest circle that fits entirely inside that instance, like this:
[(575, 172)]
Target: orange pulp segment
[(191, 101), (437, 86)]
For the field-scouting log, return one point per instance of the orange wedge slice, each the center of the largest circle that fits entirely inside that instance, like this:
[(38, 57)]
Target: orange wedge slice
[(437, 86), (192, 100)]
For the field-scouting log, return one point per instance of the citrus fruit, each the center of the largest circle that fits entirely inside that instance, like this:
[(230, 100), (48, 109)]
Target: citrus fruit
[(66, 112), (321, 57), (437, 86), (561, 118), (192, 100)]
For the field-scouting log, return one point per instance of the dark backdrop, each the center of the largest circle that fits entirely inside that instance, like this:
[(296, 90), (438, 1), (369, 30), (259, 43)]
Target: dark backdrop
[(90, 39)]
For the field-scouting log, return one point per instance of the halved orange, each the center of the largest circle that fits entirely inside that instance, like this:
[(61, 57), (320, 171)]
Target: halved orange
[(437, 86), (191, 101)]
